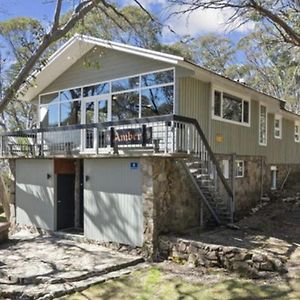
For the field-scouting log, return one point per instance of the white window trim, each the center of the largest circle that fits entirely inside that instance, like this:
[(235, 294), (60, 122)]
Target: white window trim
[(110, 93), (259, 122), (243, 98), (278, 117), (297, 123), (236, 163)]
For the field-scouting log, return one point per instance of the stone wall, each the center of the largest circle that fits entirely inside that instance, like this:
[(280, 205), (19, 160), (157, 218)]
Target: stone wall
[(244, 261), (170, 201), (248, 189)]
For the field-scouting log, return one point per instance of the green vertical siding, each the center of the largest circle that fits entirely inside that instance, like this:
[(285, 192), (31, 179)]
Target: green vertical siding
[(194, 101)]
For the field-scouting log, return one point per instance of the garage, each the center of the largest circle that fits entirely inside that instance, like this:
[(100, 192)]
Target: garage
[(35, 193), (113, 210)]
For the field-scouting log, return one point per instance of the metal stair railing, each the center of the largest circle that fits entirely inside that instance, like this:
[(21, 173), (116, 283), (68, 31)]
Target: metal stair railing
[(192, 140)]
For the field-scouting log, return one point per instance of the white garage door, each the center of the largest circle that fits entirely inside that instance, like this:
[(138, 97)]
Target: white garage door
[(35, 193), (113, 201)]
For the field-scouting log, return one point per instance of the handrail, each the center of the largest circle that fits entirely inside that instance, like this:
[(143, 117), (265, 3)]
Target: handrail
[(210, 152), (102, 125), (201, 194)]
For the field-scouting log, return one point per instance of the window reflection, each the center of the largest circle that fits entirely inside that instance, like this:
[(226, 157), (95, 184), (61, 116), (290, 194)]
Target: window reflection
[(125, 106), (49, 116), (232, 108), (157, 78), (102, 111), (70, 113), (94, 90), (70, 94), (125, 84), (157, 101), (89, 112)]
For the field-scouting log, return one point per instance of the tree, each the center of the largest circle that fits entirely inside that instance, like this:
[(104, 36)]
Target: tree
[(282, 15), (59, 28)]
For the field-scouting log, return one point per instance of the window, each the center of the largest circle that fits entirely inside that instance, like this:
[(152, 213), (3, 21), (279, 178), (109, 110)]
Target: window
[(125, 106), (94, 90), (146, 94), (231, 108), (157, 101), (277, 127), (240, 168), (297, 132), (70, 113), (225, 168), (262, 125)]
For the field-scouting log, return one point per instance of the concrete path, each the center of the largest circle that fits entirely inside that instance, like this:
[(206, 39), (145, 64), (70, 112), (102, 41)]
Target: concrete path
[(34, 267)]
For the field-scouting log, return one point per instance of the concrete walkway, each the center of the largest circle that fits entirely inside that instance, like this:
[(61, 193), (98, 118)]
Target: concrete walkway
[(34, 267)]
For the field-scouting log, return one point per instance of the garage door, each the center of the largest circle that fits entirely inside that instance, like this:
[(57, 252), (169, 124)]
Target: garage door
[(113, 201), (35, 193)]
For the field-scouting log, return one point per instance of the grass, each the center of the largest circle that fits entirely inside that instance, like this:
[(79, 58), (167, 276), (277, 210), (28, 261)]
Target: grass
[(153, 283)]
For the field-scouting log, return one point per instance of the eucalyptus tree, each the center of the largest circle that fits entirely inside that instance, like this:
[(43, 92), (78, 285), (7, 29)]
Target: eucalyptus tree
[(45, 38), (283, 16)]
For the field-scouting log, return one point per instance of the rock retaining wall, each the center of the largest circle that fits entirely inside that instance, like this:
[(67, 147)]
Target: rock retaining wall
[(253, 263)]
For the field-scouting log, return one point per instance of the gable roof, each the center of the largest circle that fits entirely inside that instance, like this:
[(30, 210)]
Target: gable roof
[(79, 45), (76, 48)]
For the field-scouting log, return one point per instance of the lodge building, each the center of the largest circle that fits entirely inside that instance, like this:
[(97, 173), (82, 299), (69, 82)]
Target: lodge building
[(132, 143)]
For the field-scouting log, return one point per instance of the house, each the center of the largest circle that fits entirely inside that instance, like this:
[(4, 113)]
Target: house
[(132, 143)]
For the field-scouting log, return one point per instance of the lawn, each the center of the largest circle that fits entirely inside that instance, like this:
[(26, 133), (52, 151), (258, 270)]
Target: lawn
[(154, 283)]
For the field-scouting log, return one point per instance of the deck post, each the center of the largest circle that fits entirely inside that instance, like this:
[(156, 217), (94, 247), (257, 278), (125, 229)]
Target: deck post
[(77, 194), (232, 179)]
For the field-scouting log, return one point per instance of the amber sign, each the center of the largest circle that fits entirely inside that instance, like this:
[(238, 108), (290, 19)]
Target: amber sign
[(131, 136)]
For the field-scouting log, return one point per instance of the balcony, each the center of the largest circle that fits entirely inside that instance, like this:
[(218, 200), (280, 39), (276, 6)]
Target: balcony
[(165, 135)]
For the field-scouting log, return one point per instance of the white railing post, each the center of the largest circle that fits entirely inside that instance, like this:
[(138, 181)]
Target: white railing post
[(189, 138), (166, 137)]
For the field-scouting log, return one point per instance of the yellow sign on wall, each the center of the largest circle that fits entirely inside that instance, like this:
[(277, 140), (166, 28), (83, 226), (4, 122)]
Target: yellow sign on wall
[(219, 138)]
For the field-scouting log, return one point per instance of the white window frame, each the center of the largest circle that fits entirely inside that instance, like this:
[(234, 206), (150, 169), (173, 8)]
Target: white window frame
[(264, 143), (225, 167), (234, 94), (279, 129), (237, 162), (297, 133), (111, 93)]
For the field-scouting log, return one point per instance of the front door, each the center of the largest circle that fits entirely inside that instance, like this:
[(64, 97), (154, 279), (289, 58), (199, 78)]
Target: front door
[(95, 110), (65, 201)]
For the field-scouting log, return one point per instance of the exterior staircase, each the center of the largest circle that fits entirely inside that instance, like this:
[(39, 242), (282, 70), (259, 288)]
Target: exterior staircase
[(204, 171), (206, 182)]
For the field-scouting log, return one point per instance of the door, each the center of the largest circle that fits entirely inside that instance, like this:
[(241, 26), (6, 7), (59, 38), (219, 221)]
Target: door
[(35, 193), (113, 208), (95, 110), (65, 201)]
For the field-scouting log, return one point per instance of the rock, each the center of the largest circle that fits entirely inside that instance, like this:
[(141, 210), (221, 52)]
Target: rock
[(257, 258), (266, 266)]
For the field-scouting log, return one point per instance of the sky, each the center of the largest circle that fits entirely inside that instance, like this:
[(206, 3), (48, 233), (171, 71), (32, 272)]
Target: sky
[(197, 23)]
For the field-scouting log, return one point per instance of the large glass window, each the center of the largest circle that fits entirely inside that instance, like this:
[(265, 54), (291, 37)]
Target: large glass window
[(231, 108), (141, 95), (157, 78), (70, 94), (94, 90), (262, 125), (49, 116), (157, 101), (70, 113), (102, 111), (125, 106), (129, 83)]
